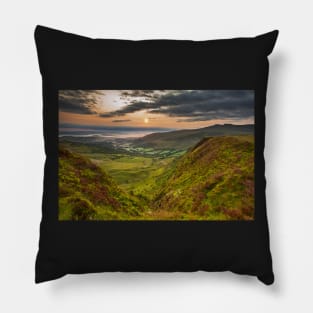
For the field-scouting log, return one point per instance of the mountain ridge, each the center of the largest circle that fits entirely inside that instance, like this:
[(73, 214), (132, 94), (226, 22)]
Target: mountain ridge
[(186, 138)]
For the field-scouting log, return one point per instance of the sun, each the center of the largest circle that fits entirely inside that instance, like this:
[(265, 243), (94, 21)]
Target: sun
[(146, 120)]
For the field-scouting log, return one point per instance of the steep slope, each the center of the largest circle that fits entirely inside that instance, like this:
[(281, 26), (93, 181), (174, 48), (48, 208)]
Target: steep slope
[(184, 139), (212, 181), (86, 192)]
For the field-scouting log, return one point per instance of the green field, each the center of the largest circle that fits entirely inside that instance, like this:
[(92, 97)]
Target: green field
[(135, 174)]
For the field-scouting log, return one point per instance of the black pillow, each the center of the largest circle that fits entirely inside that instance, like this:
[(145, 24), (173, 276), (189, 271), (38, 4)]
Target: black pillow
[(154, 155)]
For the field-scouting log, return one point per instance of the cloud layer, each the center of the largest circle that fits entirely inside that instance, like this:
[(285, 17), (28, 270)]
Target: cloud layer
[(184, 105)]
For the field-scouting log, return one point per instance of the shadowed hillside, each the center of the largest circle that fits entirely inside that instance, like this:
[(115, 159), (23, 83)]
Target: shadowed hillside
[(212, 181), (184, 139), (86, 192)]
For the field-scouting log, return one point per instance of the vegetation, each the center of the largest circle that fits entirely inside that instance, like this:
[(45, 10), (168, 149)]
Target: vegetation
[(213, 180), (86, 192)]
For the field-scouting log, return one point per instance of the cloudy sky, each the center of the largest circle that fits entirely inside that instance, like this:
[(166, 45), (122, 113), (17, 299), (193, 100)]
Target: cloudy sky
[(156, 108)]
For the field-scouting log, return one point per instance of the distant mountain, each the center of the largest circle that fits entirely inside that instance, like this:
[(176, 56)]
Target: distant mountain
[(86, 192), (184, 139), (212, 181)]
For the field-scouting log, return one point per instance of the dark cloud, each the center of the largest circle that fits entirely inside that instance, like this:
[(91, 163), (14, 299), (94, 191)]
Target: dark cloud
[(131, 108), (140, 93), (120, 121), (195, 105), (79, 101)]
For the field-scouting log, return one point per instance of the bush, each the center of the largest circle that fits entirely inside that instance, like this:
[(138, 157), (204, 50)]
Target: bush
[(82, 209)]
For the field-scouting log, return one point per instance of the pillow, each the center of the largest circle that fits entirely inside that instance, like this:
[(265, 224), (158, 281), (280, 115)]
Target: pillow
[(154, 155)]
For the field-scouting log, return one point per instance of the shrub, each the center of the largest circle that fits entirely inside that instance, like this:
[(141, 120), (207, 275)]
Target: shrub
[(82, 209)]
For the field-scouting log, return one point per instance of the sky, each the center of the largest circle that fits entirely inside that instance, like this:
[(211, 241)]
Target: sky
[(179, 109)]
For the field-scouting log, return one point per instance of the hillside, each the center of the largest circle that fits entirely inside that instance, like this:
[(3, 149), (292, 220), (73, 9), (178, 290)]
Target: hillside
[(184, 139), (86, 192), (212, 181)]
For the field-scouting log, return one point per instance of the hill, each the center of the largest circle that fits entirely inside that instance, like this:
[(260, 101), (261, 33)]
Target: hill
[(213, 181), (184, 139), (86, 192)]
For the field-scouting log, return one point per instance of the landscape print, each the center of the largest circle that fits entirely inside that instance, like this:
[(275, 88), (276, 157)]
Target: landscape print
[(177, 155)]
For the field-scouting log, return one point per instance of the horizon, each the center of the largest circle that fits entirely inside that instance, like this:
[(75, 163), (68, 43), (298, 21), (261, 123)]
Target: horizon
[(72, 130), (155, 109), (109, 127)]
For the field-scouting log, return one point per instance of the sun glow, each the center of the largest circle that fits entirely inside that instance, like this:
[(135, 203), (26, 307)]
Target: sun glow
[(146, 120)]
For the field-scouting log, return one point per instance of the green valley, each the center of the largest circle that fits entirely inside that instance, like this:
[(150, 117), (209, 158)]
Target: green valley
[(212, 179)]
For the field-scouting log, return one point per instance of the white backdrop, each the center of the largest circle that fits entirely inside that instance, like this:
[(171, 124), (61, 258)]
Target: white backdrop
[(289, 156)]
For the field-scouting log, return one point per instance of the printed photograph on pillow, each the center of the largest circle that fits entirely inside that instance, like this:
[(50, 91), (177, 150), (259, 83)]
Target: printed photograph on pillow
[(156, 155)]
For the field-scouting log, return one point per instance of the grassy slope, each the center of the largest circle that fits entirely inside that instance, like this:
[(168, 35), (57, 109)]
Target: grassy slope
[(86, 192), (135, 174), (213, 181)]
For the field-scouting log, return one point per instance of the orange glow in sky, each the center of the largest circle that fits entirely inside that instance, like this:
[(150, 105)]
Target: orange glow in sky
[(136, 108)]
